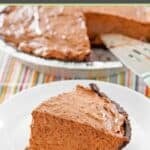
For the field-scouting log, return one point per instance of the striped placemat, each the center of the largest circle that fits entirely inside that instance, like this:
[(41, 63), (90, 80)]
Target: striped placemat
[(14, 77)]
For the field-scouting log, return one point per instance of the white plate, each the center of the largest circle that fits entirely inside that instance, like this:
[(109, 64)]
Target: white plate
[(15, 113)]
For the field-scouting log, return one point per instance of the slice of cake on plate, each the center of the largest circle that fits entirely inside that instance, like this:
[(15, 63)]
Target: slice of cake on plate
[(84, 119)]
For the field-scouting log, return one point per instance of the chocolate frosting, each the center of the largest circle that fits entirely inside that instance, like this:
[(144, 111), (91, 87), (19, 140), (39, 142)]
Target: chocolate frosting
[(49, 32), (85, 106)]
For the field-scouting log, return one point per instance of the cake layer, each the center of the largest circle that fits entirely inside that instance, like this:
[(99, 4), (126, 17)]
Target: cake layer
[(54, 133)]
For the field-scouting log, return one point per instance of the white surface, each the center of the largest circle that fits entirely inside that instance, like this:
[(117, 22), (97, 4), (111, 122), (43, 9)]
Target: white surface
[(15, 113)]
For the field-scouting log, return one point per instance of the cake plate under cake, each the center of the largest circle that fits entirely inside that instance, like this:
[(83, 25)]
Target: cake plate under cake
[(102, 64)]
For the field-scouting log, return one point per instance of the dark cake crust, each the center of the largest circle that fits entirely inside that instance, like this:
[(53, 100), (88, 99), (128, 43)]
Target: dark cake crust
[(126, 125)]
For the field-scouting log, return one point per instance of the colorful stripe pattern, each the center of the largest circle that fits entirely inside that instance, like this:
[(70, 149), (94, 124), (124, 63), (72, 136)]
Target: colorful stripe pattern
[(14, 77)]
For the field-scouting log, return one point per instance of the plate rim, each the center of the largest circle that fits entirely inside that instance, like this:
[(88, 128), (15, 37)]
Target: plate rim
[(97, 65)]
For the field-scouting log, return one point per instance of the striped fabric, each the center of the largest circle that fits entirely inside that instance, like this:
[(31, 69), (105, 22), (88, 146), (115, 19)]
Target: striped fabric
[(14, 77)]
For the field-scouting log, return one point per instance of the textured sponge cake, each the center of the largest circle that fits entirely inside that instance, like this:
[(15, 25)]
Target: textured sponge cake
[(83, 119)]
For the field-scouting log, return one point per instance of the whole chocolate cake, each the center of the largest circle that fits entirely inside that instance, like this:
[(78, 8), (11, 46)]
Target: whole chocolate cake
[(65, 33)]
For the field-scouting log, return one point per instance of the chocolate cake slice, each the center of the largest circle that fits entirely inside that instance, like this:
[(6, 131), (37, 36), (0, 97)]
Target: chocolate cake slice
[(49, 32), (83, 119)]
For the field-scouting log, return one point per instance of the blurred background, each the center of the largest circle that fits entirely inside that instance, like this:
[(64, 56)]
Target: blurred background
[(17, 74)]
